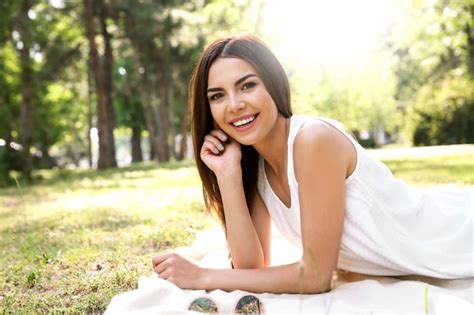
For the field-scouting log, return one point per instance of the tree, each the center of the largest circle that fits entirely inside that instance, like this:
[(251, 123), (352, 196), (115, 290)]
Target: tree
[(434, 51), (103, 82), (167, 37), (25, 29), (128, 108), (42, 52)]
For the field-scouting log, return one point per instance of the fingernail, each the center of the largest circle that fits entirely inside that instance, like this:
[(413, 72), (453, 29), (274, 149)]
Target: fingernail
[(220, 146), (223, 137)]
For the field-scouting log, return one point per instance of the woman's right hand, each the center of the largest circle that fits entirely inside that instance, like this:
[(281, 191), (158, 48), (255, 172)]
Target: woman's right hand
[(221, 153)]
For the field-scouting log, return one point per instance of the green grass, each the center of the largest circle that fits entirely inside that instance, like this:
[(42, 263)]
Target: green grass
[(73, 239), (444, 169)]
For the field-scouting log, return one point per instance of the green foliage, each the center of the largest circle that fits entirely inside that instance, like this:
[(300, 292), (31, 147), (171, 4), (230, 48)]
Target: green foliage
[(433, 56), (127, 103), (360, 98), (9, 90), (416, 84), (445, 115), (52, 37)]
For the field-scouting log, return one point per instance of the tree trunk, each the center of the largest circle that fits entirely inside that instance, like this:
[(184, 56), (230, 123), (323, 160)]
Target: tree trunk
[(163, 125), (108, 84), (25, 113), (184, 132), (90, 91), (143, 54), (171, 116), (470, 45), (136, 144), (161, 114), (103, 161), (145, 99), (46, 159), (26, 88), (136, 138)]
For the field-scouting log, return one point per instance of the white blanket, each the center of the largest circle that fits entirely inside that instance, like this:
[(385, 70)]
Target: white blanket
[(353, 293)]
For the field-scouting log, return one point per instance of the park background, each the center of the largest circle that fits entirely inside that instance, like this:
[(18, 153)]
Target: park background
[(96, 163)]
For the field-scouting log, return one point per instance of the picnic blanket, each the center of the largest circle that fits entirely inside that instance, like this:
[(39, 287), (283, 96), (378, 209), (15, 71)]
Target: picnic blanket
[(353, 293)]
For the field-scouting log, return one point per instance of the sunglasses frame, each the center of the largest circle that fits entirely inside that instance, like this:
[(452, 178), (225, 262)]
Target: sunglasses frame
[(235, 310)]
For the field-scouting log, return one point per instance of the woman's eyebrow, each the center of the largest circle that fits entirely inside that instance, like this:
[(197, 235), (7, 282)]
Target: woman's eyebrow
[(245, 77), (242, 79)]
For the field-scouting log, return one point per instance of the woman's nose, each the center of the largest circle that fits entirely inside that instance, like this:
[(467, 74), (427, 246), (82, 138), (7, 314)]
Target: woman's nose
[(236, 104)]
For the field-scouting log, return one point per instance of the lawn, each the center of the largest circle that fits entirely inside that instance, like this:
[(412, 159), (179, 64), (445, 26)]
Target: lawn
[(74, 239)]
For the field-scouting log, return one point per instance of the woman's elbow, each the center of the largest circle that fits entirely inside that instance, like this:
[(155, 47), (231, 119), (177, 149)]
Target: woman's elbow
[(313, 281), (315, 287), (248, 264)]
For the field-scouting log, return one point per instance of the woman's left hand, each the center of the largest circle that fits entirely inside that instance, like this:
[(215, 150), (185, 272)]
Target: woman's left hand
[(178, 270)]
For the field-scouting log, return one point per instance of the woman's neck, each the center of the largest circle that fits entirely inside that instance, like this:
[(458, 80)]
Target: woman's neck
[(274, 149)]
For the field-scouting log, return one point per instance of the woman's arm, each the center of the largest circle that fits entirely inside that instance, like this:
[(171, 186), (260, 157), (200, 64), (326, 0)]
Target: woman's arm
[(248, 232), (263, 224), (278, 279), (322, 158), (248, 236)]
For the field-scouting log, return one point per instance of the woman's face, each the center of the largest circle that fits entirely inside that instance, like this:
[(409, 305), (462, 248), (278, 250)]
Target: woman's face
[(240, 104)]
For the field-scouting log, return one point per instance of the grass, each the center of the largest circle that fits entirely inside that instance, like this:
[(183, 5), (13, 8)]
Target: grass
[(444, 169), (72, 240)]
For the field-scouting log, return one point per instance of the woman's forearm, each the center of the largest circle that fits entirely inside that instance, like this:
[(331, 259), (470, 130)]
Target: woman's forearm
[(291, 278), (242, 239)]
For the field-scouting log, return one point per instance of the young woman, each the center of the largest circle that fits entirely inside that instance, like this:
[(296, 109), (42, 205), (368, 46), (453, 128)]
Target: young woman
[(258, 163)]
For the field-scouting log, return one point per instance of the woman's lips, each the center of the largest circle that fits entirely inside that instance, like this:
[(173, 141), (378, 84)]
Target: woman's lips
[(246, 126)]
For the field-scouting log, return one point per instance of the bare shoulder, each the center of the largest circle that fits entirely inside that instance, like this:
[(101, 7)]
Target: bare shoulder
[(315, 132), (320, 142), (320, 135)]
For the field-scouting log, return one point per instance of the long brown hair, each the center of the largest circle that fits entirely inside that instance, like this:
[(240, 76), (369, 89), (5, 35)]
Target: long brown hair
[(269, 69)]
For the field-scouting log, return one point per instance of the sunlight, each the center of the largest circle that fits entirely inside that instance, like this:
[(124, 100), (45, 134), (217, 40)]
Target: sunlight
[(326, 32), (58, 4)]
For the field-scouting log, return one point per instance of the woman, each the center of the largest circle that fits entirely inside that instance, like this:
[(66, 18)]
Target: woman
[(345, 210)]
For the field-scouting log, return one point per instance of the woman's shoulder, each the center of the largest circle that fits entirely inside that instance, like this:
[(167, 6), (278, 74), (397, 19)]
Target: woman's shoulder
[(301, 121), (317, 128), (316, 133), (318, 138), (309, 129)]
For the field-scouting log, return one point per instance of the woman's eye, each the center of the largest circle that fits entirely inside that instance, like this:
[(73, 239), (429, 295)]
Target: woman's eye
[(248, 85), (215, 97)]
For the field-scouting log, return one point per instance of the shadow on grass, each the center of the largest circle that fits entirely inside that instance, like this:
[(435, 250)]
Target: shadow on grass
[(63, 176), (72, 175), (104, 219)]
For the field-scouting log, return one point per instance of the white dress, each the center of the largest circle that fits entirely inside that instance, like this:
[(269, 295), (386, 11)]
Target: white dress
[(389, 228)]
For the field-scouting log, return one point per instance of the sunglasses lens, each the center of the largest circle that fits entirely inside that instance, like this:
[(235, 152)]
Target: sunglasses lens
[(249, 304), (203, 305)]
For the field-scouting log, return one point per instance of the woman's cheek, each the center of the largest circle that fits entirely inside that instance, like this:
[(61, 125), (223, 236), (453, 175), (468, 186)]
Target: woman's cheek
[(217, 115)]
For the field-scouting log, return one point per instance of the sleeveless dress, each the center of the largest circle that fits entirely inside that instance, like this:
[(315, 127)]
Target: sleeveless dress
[(390, 228)]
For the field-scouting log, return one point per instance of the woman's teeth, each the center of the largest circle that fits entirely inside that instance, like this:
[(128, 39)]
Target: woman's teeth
[(242, 122)]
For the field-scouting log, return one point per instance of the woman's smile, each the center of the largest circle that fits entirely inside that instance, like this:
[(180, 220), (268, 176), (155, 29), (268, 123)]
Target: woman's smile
[(244, 123)]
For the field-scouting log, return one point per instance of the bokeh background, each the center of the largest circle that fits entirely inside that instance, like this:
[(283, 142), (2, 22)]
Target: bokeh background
[(96, 168), (104, 83)]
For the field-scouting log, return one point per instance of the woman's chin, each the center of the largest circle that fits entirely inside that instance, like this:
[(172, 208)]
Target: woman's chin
[(245, 140)]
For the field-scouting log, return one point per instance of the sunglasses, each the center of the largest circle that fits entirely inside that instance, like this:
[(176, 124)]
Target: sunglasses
[(248, 304)]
